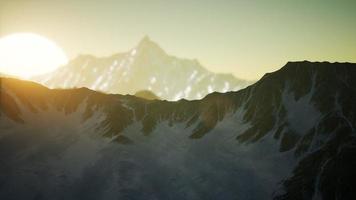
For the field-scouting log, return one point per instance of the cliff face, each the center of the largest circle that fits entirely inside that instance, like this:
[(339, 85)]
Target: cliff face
[(289, 136)]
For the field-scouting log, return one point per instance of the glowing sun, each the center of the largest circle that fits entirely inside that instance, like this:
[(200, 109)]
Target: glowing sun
[(27, 54)]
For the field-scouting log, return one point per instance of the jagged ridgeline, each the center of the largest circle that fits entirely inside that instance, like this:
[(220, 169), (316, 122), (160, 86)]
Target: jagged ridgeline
[(288, 136), (145, 67)]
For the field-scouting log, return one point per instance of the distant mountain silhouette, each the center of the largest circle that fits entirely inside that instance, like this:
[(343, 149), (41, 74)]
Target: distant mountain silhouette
[(291, 135), (145, 67), (146, 94)]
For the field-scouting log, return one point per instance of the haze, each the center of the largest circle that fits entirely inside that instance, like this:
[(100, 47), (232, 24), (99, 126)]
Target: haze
[(246, 38)]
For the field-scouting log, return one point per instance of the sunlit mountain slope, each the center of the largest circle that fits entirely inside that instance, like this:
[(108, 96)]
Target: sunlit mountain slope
[(145, 67)]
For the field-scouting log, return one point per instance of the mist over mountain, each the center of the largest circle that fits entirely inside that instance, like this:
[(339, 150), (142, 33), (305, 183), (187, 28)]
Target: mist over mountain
[(291, 135), (145, 67)]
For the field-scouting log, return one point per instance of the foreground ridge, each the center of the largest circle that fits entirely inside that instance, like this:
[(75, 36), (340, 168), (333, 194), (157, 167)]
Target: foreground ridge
[(288, 136)]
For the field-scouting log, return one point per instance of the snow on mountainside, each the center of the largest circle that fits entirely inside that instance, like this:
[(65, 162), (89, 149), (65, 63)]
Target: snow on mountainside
[(146, 67), (289, 136)]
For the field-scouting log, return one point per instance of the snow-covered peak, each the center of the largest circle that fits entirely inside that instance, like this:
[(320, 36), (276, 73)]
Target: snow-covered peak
[(145, 67), (146, 45), (146, 39)]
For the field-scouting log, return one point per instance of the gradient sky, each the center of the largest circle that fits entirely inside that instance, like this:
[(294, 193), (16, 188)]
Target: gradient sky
[(246, 38)]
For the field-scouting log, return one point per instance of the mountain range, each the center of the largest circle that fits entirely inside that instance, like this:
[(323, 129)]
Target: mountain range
[(145, 67), (290, 135)]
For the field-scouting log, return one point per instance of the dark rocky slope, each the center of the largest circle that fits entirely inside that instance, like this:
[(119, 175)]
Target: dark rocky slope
[(289, 136)]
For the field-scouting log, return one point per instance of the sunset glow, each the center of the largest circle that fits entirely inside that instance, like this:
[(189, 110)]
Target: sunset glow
[(26, 54)]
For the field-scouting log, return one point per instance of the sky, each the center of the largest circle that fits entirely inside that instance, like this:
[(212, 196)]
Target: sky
[(245, 38)]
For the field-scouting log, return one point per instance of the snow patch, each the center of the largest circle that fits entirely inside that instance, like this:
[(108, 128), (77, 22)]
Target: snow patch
[(191, 77), (153, 80), (301, 114), (226, 86), (210, 89)]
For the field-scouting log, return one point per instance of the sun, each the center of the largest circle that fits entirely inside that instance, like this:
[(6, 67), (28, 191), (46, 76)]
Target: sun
[(25, 55)]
